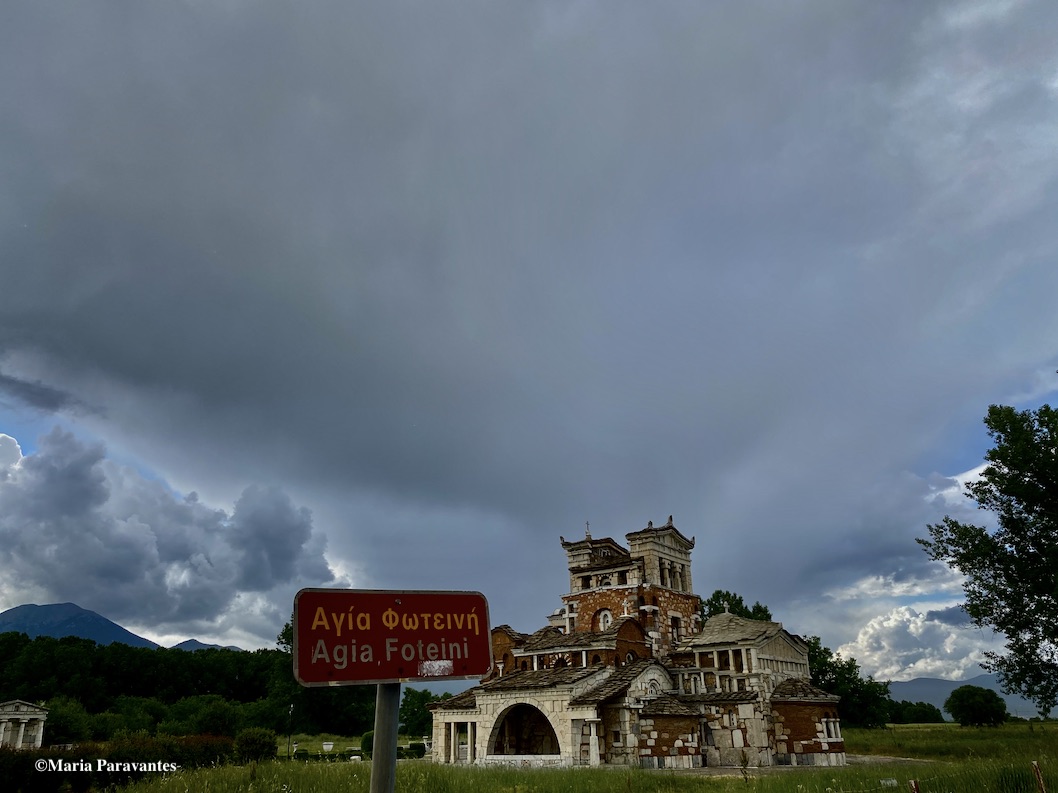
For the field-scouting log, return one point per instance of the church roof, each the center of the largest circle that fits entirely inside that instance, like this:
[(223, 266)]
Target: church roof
[(615, 685), (551, 638), (800, 689), (729, 628), (539, 678), (719, 697), (515, 635), (664, 705), (668, 528), (463, 701)]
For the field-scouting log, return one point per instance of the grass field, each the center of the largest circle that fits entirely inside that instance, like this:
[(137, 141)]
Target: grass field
[(945, 759)]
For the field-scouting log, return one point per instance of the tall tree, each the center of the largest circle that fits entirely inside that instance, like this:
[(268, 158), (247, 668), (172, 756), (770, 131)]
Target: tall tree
[(1012, 572), (864, 701), (721, 600), (973, 706)]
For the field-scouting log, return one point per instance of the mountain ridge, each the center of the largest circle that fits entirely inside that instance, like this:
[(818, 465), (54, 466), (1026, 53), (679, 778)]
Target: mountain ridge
[(59, 620), (935, 691)]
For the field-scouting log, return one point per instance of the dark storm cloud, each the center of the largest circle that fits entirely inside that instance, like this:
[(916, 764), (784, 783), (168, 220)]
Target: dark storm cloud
[(38, 395), (74, 526), (954, 615), (462, 276)]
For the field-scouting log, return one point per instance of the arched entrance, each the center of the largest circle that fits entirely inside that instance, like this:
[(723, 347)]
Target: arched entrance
[(523, 730)]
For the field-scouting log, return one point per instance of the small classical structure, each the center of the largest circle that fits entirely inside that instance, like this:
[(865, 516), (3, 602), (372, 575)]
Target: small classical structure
[(22, 724), (625, 674)]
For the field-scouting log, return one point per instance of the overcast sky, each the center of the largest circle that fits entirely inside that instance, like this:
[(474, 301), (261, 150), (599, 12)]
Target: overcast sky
[(391, 295)]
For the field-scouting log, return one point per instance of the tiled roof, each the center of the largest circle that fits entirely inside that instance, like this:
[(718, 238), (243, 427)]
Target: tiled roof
[(800, 688), (615, 685), (665, 705), (463, 701), (515, 635), (652, 529), (729, 628), (542, 638), (552, 639), (720, 697), (539, 678)]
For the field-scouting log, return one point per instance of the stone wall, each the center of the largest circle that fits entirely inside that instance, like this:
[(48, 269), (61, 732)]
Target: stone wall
[(669, 742), (801, 737)]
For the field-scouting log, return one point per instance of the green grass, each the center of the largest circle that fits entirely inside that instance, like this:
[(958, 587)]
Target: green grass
[(952, 742), (950, 760)]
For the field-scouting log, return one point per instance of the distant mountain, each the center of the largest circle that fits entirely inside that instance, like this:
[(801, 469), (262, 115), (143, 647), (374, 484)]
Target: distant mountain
[(67, 619), (195, 644), (936, 691)]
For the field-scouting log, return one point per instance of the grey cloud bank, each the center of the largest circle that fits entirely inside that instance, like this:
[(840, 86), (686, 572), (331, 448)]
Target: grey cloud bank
[(461, 278)]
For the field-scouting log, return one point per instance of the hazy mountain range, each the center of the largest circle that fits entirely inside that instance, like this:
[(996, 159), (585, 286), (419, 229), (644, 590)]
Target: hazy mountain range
[(69, 619), (935, 691)]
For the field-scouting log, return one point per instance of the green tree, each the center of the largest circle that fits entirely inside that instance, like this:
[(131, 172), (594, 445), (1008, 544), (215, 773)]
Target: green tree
[(68, 721), (415, 719), (864, 701), (722, 600), (905, 712), (1012, 572), (973, 706)]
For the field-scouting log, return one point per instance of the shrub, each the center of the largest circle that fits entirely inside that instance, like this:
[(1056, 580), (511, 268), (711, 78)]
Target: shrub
[(417, 749), (367, 743), (255, 743)]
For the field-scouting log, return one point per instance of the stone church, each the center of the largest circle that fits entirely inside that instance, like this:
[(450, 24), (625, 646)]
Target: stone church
[(625, 673)]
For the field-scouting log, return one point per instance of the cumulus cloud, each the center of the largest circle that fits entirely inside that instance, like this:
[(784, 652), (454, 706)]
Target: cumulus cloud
[(10, 453), (905, 643), (76, 526)]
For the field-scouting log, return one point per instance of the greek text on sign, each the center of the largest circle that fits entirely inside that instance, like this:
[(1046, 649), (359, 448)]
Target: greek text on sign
[(351, 636)]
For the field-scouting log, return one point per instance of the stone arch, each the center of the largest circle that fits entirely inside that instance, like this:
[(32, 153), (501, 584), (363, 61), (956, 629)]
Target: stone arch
[(523, 729)]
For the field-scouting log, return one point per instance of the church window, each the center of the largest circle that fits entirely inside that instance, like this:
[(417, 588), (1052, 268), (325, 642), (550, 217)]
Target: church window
[(585, 582), (622, 578), (603, 619)]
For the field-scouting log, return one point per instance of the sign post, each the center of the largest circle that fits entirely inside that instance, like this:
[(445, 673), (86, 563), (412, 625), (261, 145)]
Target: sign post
[(346, 637)]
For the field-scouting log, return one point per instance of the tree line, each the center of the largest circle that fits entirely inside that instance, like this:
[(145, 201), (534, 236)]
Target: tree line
[(95, 692)]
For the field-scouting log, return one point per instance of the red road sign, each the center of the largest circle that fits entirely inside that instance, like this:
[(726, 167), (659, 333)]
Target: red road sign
[(351, 636)]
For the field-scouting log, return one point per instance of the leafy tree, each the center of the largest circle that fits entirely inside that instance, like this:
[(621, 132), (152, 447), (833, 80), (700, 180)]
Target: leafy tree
[(414, 718), (973, 706), (68, 721), (722, 600), (864, 701), (905, 712), (1012, 572)]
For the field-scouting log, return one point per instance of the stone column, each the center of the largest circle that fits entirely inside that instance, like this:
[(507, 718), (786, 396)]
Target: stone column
[(21, 732), (583, 657), (471, 738), (453, 742), (3, 730), (593, 745), (40, 734)]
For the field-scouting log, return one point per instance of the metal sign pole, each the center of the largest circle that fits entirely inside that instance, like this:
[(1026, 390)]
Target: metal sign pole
[(384, 752)]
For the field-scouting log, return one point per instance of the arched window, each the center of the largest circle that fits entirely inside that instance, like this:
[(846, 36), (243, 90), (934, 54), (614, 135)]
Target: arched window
[(603, 619), (596, 659)]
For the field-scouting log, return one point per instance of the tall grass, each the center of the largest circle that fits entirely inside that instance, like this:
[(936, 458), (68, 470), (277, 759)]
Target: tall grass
[(951, 760), (951, 742)]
